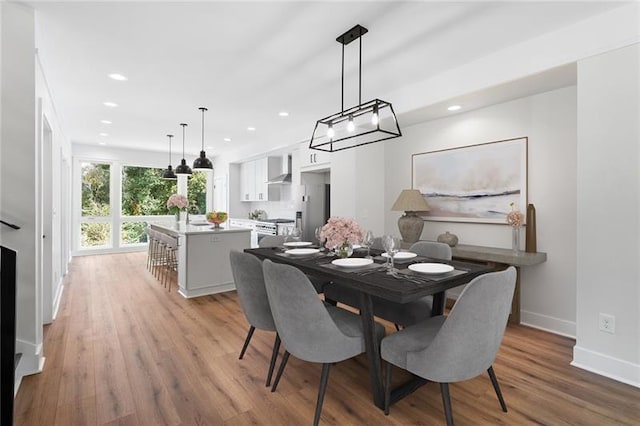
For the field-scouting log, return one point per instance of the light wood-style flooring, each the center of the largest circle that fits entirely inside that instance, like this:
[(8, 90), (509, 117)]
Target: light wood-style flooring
[(124, 351)]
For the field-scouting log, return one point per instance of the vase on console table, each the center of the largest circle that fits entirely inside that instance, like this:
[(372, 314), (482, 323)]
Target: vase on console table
[(515, 239)]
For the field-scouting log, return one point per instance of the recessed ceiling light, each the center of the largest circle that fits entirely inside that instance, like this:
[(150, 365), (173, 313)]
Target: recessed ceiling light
[(227, 139), (105, 121), (251, 129), (454, 107), (102, 143), (119, 77), (110, 104), (104, 134), (283, 114)]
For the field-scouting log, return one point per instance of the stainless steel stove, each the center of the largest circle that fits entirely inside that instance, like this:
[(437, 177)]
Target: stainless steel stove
[(270, 226)]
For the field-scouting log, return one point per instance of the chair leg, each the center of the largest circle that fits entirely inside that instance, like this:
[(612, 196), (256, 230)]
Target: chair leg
[(246, 341), (387, 388), (274, 356), (496, 386), (446, 402), (321, 390), (283, 364)]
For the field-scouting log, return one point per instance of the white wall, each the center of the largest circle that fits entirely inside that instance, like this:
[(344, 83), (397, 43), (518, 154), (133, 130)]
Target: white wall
[(18, 188), (608, 221)]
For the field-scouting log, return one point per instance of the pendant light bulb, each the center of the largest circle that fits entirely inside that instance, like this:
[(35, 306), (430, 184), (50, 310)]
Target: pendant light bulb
[(169, 174), (374, 117), (183, 168), (330, 132), (202, 162), (350, 126)]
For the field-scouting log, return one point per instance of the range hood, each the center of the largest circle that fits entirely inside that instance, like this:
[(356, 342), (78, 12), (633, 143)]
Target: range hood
[(285, 177)]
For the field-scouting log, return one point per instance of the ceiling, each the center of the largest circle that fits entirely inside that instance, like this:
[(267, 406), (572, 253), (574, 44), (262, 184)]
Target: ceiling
[(248, 61)]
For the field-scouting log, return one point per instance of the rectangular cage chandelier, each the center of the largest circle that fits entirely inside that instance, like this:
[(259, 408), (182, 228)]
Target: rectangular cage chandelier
[(365, 123)]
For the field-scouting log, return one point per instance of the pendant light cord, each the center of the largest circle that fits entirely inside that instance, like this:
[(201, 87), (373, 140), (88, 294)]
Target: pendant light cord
[(169, 136), (183, 126), (203, 109)]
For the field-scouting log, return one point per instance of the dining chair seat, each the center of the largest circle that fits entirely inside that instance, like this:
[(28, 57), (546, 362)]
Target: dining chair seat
[(458, 347), (249, 280), (310, 330)]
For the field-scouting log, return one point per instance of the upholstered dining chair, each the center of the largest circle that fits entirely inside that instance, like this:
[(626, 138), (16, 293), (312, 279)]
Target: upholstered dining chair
[(401, 314), (249, 280), (458, 347), (271, 241), (310, 329)]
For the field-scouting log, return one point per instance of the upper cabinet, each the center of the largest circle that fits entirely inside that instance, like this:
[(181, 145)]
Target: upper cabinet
[(254, 176), (312, 159)]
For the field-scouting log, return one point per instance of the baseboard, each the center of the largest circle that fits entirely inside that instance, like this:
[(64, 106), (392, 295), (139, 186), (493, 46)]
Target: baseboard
[(32, 361), (205, 291), (57, 298), (605, 365), (548, 323)]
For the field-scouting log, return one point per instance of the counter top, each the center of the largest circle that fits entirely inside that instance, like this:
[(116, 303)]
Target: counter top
[(195, 228), (499, 255)]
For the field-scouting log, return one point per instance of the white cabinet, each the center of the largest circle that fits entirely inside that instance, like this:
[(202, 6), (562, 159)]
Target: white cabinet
[(247, 181), (311, 159), (254, 178)]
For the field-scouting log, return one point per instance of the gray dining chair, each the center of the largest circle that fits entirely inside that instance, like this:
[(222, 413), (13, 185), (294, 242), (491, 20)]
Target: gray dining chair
[(271, 241), (249, 281), (458, 347), (401, 314), (310, 329)]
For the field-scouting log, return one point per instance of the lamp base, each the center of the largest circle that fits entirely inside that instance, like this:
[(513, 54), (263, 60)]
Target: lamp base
[(410, 226)]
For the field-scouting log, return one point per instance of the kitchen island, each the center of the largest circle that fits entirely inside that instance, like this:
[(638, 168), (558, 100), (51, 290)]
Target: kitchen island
[(203, 255)]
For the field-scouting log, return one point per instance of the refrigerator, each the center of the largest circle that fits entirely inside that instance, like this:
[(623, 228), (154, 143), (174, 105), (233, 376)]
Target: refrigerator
[(316, 209)]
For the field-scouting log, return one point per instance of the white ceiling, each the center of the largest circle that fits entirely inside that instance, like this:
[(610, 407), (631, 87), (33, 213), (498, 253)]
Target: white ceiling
[(247, 61)]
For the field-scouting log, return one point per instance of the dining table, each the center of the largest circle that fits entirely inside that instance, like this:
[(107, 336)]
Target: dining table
[(401, 285)]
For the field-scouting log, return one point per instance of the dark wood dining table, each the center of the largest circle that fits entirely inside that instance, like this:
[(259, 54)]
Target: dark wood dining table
[(373, 280)]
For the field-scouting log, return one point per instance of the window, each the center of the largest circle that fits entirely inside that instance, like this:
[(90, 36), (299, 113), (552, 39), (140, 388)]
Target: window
[(197, 193), (95, 226), (144, 192)]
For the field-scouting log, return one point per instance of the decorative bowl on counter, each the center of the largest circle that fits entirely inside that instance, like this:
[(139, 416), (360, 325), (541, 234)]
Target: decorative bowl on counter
[(217, 218)]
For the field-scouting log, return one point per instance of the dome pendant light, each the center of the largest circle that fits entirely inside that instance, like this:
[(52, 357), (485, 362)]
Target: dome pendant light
[(202, 162), (169, 174), (183, 169)]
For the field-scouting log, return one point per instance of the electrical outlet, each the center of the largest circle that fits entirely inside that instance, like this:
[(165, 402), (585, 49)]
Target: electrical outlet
[(608, 323)]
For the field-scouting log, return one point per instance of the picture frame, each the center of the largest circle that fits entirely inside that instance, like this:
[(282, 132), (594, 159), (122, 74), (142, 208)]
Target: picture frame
[(477, 183)]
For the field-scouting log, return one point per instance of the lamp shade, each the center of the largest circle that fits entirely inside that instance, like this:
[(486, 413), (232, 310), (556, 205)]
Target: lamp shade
[(410, 200)]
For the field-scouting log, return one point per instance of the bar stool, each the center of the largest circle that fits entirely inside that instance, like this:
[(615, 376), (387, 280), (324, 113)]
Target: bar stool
[(170, 259)]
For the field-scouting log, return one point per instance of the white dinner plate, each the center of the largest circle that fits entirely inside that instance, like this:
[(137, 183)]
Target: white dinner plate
[(298, 244), (352, 262), (401, 255), (356, 246), (431, 268), (302, 251)]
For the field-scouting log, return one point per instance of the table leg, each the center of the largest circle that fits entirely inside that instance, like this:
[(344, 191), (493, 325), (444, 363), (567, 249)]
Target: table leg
[(514, 318), (373, 349), (438, 304)]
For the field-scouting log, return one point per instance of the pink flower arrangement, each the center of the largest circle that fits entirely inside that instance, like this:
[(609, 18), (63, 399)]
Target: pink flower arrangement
[(340, 230), (177, 202), (515, 218)]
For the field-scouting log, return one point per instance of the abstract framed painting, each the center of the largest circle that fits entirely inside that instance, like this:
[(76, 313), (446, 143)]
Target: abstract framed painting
[(476, 183)]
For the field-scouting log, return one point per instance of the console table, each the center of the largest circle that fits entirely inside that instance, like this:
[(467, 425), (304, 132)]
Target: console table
[(500, 256)]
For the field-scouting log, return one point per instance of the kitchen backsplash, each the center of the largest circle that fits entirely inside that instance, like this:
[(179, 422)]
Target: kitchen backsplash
[(278, 209)]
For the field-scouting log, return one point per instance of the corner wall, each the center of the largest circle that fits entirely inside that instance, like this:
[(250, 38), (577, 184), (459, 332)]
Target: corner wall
[(608, 221)]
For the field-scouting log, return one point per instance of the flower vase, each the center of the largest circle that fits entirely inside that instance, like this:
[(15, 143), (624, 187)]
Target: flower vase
[(345, 250), (515, 239), (177, 217)]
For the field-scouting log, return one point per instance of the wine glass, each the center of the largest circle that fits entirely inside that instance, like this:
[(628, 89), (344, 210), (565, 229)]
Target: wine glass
[(367, 241), (318, 235), (391, 245)]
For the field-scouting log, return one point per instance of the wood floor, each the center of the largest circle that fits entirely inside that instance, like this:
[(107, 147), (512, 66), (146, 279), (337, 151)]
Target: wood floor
[(124, 351)]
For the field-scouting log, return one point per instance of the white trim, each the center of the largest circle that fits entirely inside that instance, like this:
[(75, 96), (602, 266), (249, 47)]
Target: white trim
[(205, 291), (111, 250), (549, 324), (32, 361), (605, 365), (57, 298)]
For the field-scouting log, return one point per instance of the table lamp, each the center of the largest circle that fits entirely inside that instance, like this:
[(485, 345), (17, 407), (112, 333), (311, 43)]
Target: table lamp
[(410, 201)]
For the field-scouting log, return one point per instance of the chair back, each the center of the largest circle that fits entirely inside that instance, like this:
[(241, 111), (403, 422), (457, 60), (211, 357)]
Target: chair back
[(247, 275), (271, 241), (468, 341), (303, 322), (377, 243), (432, 249)]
